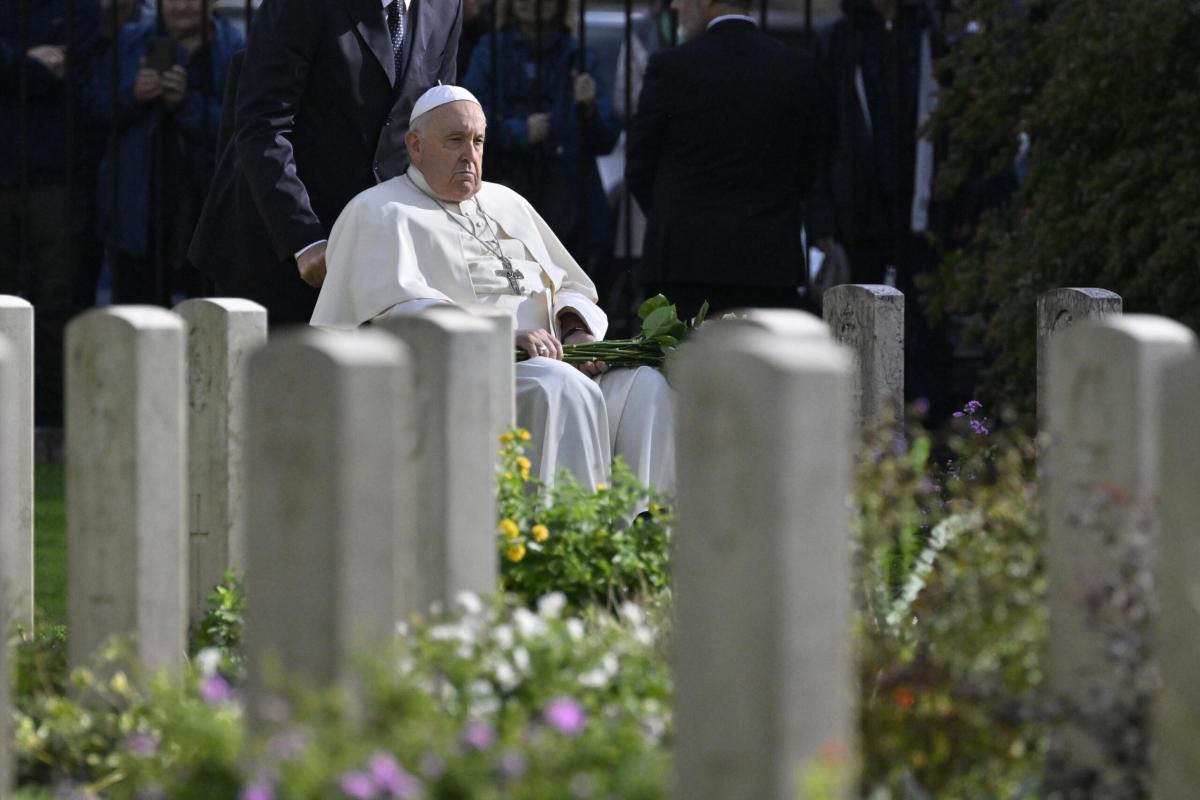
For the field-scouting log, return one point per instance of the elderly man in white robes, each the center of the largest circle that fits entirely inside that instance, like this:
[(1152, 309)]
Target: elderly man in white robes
[(440, 234)]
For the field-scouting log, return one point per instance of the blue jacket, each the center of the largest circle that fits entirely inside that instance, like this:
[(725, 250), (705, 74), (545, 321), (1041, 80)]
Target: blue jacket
[(47, 140), (548, 174), (194, 124)]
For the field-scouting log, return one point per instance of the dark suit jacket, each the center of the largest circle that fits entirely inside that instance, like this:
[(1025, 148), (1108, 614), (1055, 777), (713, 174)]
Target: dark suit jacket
[(720, 155), (319, 118)]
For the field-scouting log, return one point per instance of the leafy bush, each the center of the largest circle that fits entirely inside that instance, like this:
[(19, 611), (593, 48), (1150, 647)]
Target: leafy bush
[(493, 700), (951, 622), (1107, 92), (589, 543)]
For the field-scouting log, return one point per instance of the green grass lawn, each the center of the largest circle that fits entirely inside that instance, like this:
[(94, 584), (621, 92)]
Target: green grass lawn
[(50, 543)]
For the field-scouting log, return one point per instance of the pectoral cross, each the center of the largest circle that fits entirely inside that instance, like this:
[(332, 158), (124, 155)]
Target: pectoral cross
[(513, 276)]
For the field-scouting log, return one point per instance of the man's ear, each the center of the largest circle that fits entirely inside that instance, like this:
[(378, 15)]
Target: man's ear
[(413, 142)]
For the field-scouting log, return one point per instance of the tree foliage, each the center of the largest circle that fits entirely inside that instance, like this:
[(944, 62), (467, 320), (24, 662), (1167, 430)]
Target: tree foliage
[(1108, 93)]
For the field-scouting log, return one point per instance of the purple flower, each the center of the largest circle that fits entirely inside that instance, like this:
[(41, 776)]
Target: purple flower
[(215, 690), (979, 427), (973, 406), (958, 414), (261, 789), (479, 736), (566, 716), (394, 778), (141, 744), (358, 785), (512, 765), (287, 746)]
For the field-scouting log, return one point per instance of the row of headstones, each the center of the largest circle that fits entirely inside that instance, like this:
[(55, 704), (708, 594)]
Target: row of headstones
[(346, 433)]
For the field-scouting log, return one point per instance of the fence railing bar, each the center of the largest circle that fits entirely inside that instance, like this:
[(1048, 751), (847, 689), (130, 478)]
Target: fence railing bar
[(162, 290), (114, 151), (69, 23), (627, 196), (763, 16)]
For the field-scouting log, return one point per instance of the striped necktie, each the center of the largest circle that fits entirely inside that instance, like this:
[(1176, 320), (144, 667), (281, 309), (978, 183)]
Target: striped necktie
[(395, 20)]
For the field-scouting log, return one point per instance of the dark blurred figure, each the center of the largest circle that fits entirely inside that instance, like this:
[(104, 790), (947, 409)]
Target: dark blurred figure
[(549, 119), (870, 208), (322, 106), (721, 153), (477, 22), (43, 205), (172, 78)]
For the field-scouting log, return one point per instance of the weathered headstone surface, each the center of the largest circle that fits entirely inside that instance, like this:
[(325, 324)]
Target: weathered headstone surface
[(1101, 476), (502, 360), (8, 480), (762, 660), (1059, 309), (16, 421), (126, 524), (221, 333), (869, 319), (1177, 709), (326, 483), (456, 452)]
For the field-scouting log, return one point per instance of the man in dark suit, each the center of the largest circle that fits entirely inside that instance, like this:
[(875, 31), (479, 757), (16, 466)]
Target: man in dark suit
[(322, 106), (720, 155)]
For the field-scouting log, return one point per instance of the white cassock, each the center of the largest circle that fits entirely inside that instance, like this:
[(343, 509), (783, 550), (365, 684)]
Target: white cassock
[(395, 249)]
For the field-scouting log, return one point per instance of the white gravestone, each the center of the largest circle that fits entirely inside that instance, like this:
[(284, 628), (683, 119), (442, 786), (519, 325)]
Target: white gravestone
[(16, 420), (126, 523), (869, 319), (762, 660), (8, 496), (456, 449), (221, 333), (1100, 480), (1177, 709), (1059, 309), (327, 478), (502, 360)]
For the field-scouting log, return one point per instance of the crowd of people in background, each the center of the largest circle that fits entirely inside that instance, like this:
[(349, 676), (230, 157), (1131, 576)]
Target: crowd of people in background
[(124, 128)]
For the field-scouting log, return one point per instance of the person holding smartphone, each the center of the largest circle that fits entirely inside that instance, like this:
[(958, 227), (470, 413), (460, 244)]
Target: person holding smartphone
[(168, 107)]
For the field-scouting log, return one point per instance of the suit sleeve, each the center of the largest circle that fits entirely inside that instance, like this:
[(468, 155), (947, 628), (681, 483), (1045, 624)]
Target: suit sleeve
[(647, 132), (279, 56)]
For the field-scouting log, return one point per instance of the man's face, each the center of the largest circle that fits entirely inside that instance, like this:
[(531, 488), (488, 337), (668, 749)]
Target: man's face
[(692, 19), (182, 17), (449, 150)]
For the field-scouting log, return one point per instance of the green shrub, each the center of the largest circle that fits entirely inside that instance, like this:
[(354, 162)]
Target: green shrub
[(589, 543)]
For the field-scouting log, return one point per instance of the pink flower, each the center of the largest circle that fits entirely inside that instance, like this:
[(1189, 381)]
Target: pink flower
[(479, 736), (358, 785), (566, 716), (215, 690), (391, 776), (261, 789)]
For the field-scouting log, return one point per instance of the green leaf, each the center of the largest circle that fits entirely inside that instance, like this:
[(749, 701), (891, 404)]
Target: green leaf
[(651, 305), (659, 322), (701, 315)]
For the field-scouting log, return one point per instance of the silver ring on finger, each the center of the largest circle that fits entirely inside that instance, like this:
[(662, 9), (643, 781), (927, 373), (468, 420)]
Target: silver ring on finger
[(542, 350)]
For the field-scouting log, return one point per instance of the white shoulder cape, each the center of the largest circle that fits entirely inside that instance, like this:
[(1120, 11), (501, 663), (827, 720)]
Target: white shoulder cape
[(392, 244)]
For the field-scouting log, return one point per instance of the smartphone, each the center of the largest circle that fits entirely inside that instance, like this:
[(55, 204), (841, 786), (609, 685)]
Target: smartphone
[(160, 55)]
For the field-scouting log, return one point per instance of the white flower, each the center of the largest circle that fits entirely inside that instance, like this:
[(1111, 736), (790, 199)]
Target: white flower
[(632, 613), (610, 665), (503, 636), (575, 629), (529, 625), (521, 659), (209, 660), (506, 676), (550, 606), (594, 679), (405, 665), (469, 603), (643, 635), (480, 689)]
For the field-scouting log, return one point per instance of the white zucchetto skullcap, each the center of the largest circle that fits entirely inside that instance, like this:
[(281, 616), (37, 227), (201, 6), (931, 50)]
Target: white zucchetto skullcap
[(438, 96)]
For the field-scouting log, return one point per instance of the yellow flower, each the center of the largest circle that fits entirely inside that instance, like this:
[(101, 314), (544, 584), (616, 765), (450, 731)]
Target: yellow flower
[(655, 508), (506, 438), (509, 529), (523, 435), (516, 551), (600, 487), (508, 476), (524, 473), (119, 683), (540, 533), (524, 463)]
